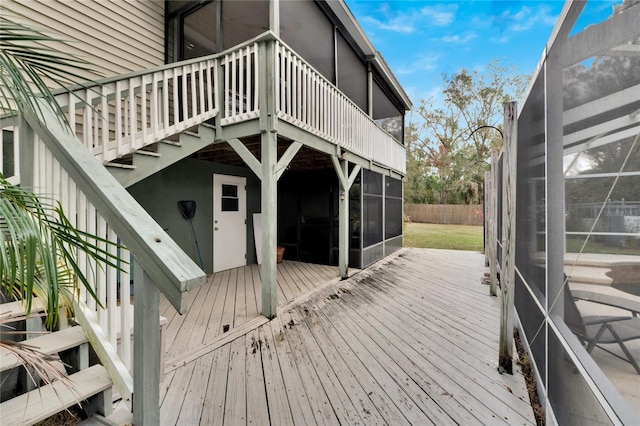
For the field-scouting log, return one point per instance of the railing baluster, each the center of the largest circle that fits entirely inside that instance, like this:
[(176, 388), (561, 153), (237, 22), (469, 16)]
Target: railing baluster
[(165, 100), (256, 79), (234, 89), (184, 99), (201, 83), (210, 85), (143, 110), (71, 114), (133, 115), (112, 292), (101, 279), (242, 95), (125, 308), (118, 116), (87, 127), (176, 99), (105, 122), (155, 99), (91, 268), (194, 93)]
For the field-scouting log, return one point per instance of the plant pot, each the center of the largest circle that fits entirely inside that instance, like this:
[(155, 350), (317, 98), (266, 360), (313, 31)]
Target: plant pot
[(279, 254)]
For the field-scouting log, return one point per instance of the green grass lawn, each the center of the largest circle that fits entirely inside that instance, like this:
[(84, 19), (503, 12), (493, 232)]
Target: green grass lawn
[(454, 237)]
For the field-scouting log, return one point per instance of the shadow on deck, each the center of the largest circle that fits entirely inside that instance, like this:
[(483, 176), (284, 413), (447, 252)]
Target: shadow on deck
[(411, 340)]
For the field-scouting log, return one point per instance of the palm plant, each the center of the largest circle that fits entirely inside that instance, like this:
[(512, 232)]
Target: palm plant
[(40, 247), (26, 61)]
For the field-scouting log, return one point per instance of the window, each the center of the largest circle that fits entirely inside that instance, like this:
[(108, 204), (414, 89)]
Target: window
[(8, 154), (200, 32), (229, 200)]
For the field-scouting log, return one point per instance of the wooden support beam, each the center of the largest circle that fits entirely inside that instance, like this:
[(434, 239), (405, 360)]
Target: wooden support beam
[(269, 195), (346, 180), (286, 158), (507, 275), (493, 226), (269, 224), (246, 156), (146, 350), (485, 228)]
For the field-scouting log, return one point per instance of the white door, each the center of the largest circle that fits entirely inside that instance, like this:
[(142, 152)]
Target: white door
[(229, 222)]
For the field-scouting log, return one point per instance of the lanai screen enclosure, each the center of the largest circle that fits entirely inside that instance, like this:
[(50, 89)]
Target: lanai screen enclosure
[(578, 216)]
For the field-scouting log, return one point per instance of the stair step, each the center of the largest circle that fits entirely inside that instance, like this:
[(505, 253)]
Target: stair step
[(170, 142), (120, 165), (148, 153), (17, 309), (48, 344), (48, 400)]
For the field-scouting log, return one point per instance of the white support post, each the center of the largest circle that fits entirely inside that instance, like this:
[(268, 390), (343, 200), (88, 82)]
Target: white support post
[(269, 224), (146, 350), (507, 276), (346, 180), (269, 196), (343, 224)]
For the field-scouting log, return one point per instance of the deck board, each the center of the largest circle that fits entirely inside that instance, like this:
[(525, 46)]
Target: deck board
[(412, 340)]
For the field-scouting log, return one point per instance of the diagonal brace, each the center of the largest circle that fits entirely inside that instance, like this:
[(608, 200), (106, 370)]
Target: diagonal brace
[(345, 181), (286, 158), (246, 156)]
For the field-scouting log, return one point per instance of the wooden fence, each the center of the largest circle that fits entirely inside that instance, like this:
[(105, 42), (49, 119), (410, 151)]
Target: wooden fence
[(450, 214)]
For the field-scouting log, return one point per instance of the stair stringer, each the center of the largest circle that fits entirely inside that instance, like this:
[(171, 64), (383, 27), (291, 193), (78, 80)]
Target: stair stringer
[(169, 152), (108, 355)]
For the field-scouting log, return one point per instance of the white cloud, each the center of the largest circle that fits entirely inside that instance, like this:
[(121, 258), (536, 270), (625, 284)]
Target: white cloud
[(457, 39), (526, 18), (408, 21), (422, 63)]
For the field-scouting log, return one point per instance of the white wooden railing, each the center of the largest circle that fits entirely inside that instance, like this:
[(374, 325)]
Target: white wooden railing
[(132, 111), (308, 100), (117, 116), (240, 70), (57, 166)]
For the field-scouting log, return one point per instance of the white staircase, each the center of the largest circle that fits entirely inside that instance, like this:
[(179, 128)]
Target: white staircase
[(144, 162), (68, 350)]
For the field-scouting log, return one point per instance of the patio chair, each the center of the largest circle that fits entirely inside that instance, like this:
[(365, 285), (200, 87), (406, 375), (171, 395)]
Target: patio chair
[(597, 330)]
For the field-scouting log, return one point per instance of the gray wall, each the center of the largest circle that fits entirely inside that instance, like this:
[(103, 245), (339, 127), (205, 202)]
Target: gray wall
[(193, 180)]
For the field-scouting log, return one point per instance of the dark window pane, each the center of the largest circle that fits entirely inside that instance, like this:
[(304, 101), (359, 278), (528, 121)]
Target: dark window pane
[(393, 217), (199, 32), (372, 220), (372, 182), (8, 166), (394, 187), (229, 190), (307, 30), (352, 73), (229, 204), (243, 20)]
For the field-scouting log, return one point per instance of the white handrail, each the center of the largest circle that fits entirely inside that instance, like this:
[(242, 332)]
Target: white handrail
[(96, 203), (308, 100), (130, 113)]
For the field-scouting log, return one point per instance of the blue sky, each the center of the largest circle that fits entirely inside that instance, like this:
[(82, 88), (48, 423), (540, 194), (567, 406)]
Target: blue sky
[(421, 39)]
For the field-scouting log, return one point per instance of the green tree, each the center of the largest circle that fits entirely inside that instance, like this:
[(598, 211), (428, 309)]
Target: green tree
[(446, 154)]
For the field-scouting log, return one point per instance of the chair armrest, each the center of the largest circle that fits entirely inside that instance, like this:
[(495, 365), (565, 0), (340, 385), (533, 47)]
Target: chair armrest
[(591, 320), (630, 305)]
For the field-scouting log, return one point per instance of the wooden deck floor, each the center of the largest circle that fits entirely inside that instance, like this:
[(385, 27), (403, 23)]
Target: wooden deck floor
[(412, 340), (230, 300)]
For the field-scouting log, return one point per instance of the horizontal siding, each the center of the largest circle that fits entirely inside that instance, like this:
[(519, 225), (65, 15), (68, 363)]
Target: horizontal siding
[(115, 37)]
